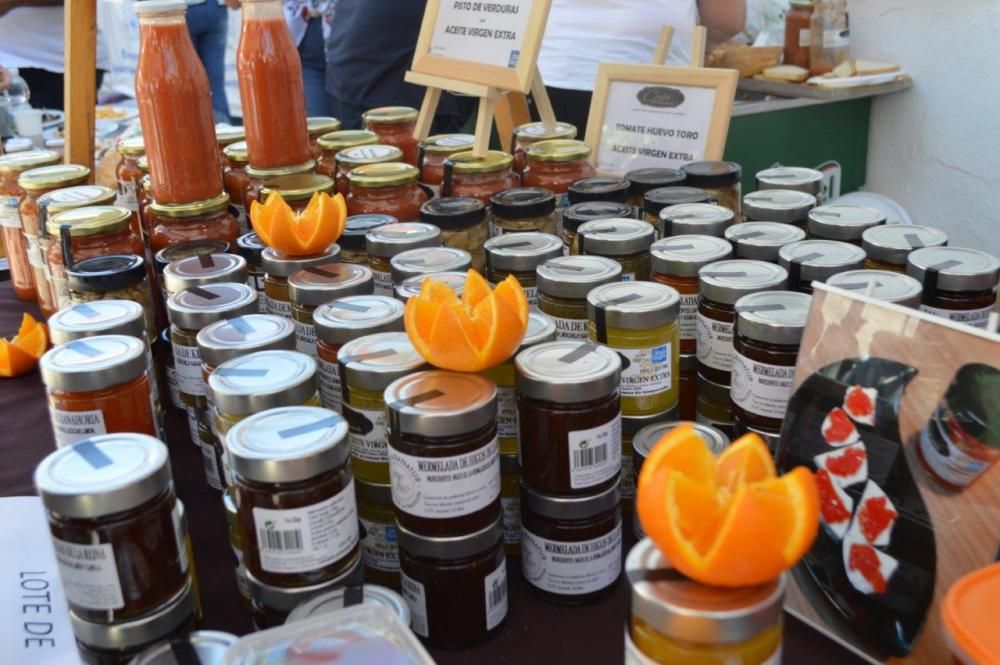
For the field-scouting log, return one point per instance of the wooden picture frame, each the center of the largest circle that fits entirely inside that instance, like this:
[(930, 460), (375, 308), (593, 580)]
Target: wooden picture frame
[(516, 77), (658, 109)]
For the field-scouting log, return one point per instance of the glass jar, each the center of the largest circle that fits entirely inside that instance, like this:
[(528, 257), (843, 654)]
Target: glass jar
[(250, 247), (116, 524), (510, 504), (721, 284), (113, 277), (842, 221), (428, 261), (639, 322), (317, 285), (762, 241), (887, 246), (228, 339), (379, 546), (386, 189), (818, 260), (14, 241), (959, 284), (260, 177), (367, 365), (203, 269), (569, 414), (555, 165), (626, 241), (580, 213), (456, 587), (655, 200), (631, 425), (352, 240), (523, 209), (882, 285), (686, 403), (520, 256), (100, 317), (720, 180), (677, 620), (201, 220), (599, 188), (385, 242), (297, 190), (641, 181), (365, 594), (236, 181), (395, 125), (432, 154), (563, 285), (69, 198), (411, 286), (695, 218), (332, 143), (571, 549), (271, 605), (462, 221), (798, 178), (318, 126), (829, 36), (786, 206), (481, 178), (168, 255), (166, 361), (797, 20), (715, 406), (531, 133), (277, 268), (349, 159)]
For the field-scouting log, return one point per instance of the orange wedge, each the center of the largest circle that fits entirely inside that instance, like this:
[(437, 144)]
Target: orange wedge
[(34, 342), (747, 460), (27, 323), (14, 361), (304, 233)]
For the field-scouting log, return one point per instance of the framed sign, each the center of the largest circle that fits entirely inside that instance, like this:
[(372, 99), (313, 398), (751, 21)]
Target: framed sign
[(492, 42), (645, 116)]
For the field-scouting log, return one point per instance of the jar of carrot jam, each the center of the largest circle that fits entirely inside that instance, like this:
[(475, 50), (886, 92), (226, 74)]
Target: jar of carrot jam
[(531, 133), (201, 220), (394, 126), (334, 142), (386, 189), (432, 154), (556, 165), (465, 174), (349, 159)]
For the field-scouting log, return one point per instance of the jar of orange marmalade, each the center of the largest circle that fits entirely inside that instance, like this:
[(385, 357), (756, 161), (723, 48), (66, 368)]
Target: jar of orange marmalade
[(432, 154), (349, 159), (465, 174), (556, 165), (334, 142), (394, 126), (531, 133), (386, 189)]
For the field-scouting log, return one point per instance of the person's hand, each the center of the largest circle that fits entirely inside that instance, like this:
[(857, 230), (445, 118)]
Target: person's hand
[(5, 79)]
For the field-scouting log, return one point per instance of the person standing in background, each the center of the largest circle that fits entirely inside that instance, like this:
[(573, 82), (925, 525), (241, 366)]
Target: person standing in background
[(206, 23), (310, 22)]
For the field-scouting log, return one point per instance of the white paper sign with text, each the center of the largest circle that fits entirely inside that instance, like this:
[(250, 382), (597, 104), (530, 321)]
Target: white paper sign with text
[(489, 33)]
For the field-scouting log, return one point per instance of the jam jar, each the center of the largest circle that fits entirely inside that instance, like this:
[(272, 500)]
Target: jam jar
[(481, 178), (571, 547), (455, 586), (262, 176), (427, 261), (411, 286), (318, 126), (351, 158), (334, 142), (638, 320), (296, 190), (786, 206), (352, 240), (882, 285), (118, 530), (348, 596), (676, 262), (113, 277), (705, 219), (295, 495), (523, 209), (277, 268), (383, 243), (766, 340), (444, 455), (341, 321), (102, 317), (168, 255), (721, 180), (762, 241), (317, 285), (510, 503), (626, 241), (367, 365), (165, 359), (959, 284), (235, 180), (887, 246), (721, 284), (379, 546), (177, 223), (520, 256), (231, 338), (809, 260), (843, 221), (127, 173), (655, 200), (271, 605), (555, 165), (432, 154), (714, 406), (580, 213), (227, 135), (202, 269), (675, 619), (462, 221), (386, 189), (250, 247), (599, 188), (530, 133), (394, 125), (797, 178), (641, 181), (569, 414), (563, 285)]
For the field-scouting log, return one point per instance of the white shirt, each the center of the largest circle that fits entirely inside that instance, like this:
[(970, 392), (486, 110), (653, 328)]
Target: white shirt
[(34, 37), (583, 33)]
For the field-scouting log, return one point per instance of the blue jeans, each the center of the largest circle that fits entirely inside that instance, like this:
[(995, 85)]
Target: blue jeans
[(312, 52), (207, 26)]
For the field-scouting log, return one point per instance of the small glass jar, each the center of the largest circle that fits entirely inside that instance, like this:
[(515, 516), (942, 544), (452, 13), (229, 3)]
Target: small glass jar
[(520, 256), (352, 240), (394, 125), (571, 549), (113, 277), (809, 260), (721, 284), (787, 206), (462, 221), (569, 415), (456, 587), (523, 209), (319, 126), (116, 524), (531, 133), (843, 221), (259, 177), (334, 142), (555, 165), (797, 35), (510, 503), (297, 190), (631, 425), (341, 321), (426, 261), (721, 180), (563, 285), (705, 219), (624, 240), (385, 242), (348, 596), (655, 200), (367, 365), (799, 178), (432, 154), (351, 158), (166, 361), (641, 181), (578, 214), (295, 495), (599, 188), (250, 247), (166, 256), (232, 338), (379, 545), (687, 402), (715, 406), (271, 605), (959, 284), (677, 620), (201, 220), (411, 286), (481, 178), (761, 241), (235, 180), (386, 189), (317, 285), (101, 317), (882, 285), (639, 322), (278, 267), (887, 246), (203, 269)]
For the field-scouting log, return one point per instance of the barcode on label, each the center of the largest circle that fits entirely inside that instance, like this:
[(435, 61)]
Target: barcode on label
[(283, 541), (590, 456), (496, 596)]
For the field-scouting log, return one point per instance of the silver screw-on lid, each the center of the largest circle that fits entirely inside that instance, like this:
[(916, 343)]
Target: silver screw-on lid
[(575, 276), (567, 371), (953, 269), (655, 200), (570, 508), (366, 594), (791, 177), (521, 252), (100, 317), (632, 305), (728, 281), (276, 264), (203, 647), (762, 241), (199, 306), (391, 239), (650, 435), (373, 362), (150, 628), (695, 218), (892, 243), (809, 260), (684, 255), (428, 260), (317, 285), (450, 548), (262, 380), (773, 317), (232, 338), (286, 599), (541, 329), (880, 284), (778, 205), (94, 363), (203, 269), (411, 285), (615, 237), (437, 403), (843, 221), (344, 319)]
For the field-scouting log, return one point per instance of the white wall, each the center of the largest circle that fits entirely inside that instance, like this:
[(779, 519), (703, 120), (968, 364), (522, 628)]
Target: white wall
[(936, 148)]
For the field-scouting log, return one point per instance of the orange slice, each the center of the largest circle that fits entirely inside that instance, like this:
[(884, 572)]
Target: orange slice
[(27, 323), (14, 361), (746, 460), (34, 342), (305, 233)]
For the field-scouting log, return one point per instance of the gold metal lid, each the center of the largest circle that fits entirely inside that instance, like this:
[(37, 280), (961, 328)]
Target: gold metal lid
[(559, 150), (21, 161), (383, 175), (79, 196), (266, 174), (194, 209), (57, 175), (227, 134), (377, 153), (447, 144), (297, 187), (491, 162), (90, 221), (132, 147), (390, 115), (346, 138), (535, 131), (237, 152), (322, 124)]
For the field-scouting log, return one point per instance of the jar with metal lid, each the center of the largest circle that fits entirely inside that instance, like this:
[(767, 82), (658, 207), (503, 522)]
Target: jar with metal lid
[(887, 246), (761, 241), (555, 165), (168, 255), (112, 277), (334, 142), (688, 398), (166, 361), (394, 125), (208, 645), (363, 594), (386, 189), (237, 542), (638, 320), (632, 425), (342, 321), (444, 455), (118, 529), (212, 454), (278, 267), (523, 209), (250, 247), (455, 586), (569, 417), (643, 180), (520, 256), (882, 285), (318, 126), (379, 546), (317, 285), (203, 269), (271, 605), (183, 222), (432, 154), (462, 221), (102, 317), (385, 242), (787, 206), (231, 338), (797, 178), (352, 240), (510, 503), (235, 180), (227, 135), (571, 548), (818, 260), (296, 190), (580, 213), (655, 200), (530, 133), (959, 284), (721, 284), (705, 219), (411, 286), (721, 180), (675, 619), (351, 158), (599, 188), (715, 406), (624, 240), (481, 178), (295, 495), (426, 261), (797, 33), (563, 285), (843, 221), (259, 177)]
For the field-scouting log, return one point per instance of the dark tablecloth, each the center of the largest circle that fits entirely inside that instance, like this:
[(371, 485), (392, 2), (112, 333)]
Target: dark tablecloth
[(535, 633)]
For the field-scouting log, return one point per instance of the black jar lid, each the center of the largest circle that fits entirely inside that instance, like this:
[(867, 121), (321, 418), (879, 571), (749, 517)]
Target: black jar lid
[(523, 203), (427, 261), (450, 548), (200, 306), (358, 226), (953, 269), (684, 255), (106, 273), (185, 249), (809, 260), (728, 281), (762, 240), (773, 317), (521, 252), (438, 403), (453, 212), (411, 286), (374, 361), (344, 319), (570, 508), (250, 246), (841, 221), (94, 363), (133, 634), (318, 285), (575, 276), (712, 174), (204, 269), (778, 205), (885, 285), (100, 317), (646, 438), (578, 213), (892, 243), (207, 647), (695, 218), (262, 380), (655, 200), (277, 264), (231, 338), (567, 371), (974, 399), (286, 599), (642, 180), (632, 305), (338, 599), (391, 239), (615, 237), (790, 177), (599, 188)]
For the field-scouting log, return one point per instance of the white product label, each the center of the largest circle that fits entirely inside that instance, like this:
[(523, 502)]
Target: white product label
[(647, 372), (496, 595), (73, 426), (805, 37), (570, 328), (379, 549), (256, 282), (416, 599), (444, 487), (279, 307), (368, 435), (595, 454), (511, 506), (507, 419), (305, 338), (836, 38), (329, 385), (126, 195), (947, 460), (572, 568), (383, 283), (531, 293), (761, 388), (211, 466), (89, 575), (628, 479), (977, 318), (304, 539), (715, 343), (36, 258), (187, 365), (9, 215), (688, 318), (172, 385)]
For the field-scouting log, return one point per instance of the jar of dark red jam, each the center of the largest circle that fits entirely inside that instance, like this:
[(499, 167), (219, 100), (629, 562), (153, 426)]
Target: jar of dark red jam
[(785, 206), (842, 221), (599, 188), (469, 175), (888, 245), (761, 241), (818, 260), (959, 284), (882, 285), (641, 181)]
